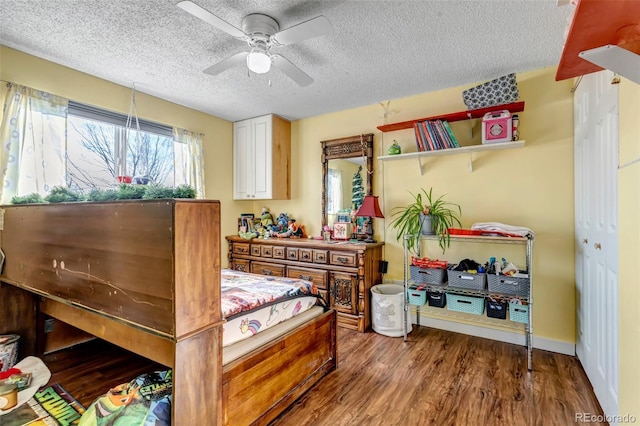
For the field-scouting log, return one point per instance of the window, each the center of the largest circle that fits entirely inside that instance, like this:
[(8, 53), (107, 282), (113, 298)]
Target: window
[(47, 141), (101, 150), (334, 192)]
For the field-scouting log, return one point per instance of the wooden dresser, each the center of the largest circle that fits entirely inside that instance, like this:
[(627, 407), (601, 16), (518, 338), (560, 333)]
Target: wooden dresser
[(343, 271)]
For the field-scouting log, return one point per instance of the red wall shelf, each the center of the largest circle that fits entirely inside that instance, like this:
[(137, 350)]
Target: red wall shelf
[(595, 24), (454, 116)]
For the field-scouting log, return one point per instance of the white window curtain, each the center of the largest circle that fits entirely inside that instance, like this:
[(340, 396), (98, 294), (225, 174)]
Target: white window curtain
[(189, 159), (33, 134), (334, 196)]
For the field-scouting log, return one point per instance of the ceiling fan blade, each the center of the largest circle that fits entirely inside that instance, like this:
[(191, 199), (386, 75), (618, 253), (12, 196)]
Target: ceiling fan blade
[(292, 71), (312, 28), (225, 64), (212, 19)]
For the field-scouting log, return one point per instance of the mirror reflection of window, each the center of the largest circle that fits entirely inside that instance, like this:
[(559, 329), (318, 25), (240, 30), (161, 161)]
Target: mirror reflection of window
[(334, 191)]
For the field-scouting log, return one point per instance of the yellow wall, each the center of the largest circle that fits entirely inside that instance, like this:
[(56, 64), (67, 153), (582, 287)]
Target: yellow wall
[(531, 187), (629, 249), (30, 71)]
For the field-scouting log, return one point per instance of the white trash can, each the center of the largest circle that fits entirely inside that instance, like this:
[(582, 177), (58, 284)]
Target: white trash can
[(387, 305)]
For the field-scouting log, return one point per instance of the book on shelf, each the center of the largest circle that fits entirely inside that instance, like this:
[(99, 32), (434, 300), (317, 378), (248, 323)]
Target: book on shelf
[(444, 135), (437, 140), (454, 141), (433, 135), (416, 129), (427, 136)]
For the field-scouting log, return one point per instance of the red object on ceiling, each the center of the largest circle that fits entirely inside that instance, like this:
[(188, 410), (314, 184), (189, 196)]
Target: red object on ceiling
[(598, 23)]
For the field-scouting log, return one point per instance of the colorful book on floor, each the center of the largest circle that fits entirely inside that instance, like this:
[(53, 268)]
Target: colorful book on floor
[(51, 406)]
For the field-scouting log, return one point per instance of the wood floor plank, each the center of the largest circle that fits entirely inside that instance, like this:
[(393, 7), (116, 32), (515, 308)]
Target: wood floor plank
[(436, 378), (443, 378)]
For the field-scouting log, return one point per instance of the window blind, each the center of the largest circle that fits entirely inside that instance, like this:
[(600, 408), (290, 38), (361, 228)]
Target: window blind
[(98, 114)]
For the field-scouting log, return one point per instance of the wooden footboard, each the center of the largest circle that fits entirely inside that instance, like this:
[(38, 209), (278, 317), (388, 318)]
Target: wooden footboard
[(259, 386)]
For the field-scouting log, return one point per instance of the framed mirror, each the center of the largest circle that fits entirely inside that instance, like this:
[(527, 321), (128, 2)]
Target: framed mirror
[(347, 176)]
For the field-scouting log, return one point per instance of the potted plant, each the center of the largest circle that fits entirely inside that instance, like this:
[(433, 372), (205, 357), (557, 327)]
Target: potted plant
[(426, 215)]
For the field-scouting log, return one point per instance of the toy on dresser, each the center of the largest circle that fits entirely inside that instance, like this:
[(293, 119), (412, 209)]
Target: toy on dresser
[(293, 230)]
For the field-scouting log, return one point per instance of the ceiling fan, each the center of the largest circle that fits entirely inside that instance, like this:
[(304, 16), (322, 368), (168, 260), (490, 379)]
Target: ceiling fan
[(261, 32)]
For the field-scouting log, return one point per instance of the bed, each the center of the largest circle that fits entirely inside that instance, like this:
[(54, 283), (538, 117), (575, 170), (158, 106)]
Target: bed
[(141, 275)]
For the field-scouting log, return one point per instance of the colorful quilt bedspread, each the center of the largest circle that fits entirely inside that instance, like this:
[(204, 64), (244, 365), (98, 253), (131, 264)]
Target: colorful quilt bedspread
[(252, 303)]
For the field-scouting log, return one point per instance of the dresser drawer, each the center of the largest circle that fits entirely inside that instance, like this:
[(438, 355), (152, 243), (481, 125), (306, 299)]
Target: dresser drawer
[(241, 265), (240, 248), (305, 255), (278, 252), (266, 251), (255, 250), (342, 258), (292, 253), (320, 256), (267, 269), (319, 278)]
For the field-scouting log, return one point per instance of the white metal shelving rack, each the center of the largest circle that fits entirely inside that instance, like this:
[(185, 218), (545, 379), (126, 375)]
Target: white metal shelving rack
[(524, 241)]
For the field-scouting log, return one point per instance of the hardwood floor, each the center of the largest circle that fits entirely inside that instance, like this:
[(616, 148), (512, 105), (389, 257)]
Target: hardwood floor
[(443, 378), (436, 378), (89, 370)]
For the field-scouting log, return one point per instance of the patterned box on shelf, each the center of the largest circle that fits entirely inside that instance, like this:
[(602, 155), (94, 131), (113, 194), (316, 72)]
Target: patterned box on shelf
[(437, 299), (466, 304), (496, 308), (502, 284), (428, 275), (462, 279), (416, 295), (502, 90), (518, 312)]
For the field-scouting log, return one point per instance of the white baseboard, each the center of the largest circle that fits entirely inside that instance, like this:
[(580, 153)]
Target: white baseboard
[(543, 343)]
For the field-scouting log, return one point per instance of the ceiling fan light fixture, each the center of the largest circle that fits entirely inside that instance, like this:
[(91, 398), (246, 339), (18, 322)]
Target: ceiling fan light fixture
[(258, 61)]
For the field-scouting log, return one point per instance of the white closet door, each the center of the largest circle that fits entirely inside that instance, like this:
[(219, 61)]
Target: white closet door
[(596, 201)]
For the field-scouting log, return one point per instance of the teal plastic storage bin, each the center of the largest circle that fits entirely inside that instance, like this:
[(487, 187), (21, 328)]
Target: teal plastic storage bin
[(466, 304), (519, 313), (417, 296)]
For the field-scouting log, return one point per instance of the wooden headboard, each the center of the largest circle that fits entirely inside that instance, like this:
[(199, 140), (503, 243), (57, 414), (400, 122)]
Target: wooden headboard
[(143, 274)]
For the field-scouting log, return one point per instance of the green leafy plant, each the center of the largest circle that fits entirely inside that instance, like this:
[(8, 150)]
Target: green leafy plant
[(62, 194), (126, 191), (157, 191), (184, 191), (102, 195), (33, 198), (409, 220)]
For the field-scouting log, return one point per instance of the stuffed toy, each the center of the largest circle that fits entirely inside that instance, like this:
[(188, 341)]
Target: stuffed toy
[(293, 230), (266, 219)]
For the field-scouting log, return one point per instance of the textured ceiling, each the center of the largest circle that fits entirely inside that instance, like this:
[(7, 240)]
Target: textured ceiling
[(379, 50)]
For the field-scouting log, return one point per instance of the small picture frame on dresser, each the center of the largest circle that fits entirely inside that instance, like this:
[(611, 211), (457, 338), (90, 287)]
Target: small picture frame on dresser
[(341, 230)]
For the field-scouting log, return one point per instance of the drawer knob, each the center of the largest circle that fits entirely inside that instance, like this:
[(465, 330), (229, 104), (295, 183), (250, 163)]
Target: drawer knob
[(342, 259), (305, 277), (267, 272)]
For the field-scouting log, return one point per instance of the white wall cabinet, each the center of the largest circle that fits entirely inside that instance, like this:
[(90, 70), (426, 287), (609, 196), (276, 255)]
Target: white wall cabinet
[(262, 158)]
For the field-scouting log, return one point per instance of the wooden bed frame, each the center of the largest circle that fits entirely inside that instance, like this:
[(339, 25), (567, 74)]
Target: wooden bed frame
[(145, 275)]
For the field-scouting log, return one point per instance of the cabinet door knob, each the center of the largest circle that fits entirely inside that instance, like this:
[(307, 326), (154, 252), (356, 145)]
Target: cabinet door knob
[(585, 241), (597, 246)]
